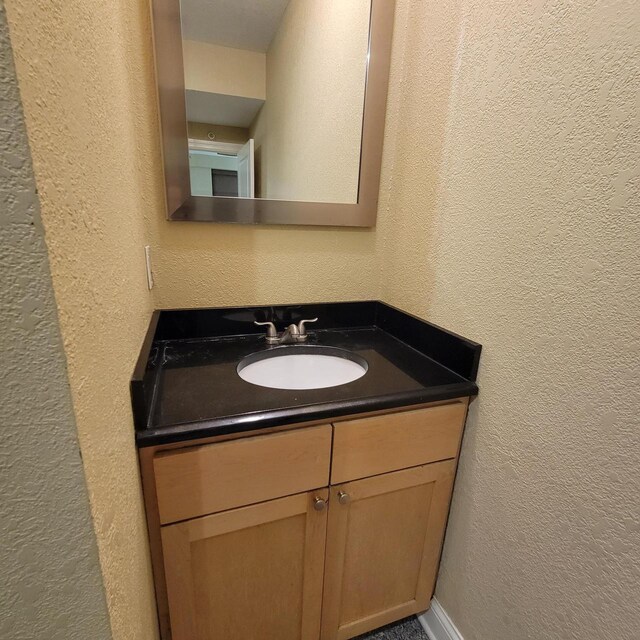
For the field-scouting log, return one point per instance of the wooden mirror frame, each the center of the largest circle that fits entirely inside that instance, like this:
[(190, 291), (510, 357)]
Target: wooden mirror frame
[(182, 206)]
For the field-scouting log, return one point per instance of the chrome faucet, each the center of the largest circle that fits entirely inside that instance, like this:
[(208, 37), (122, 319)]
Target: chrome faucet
[(291, 335)]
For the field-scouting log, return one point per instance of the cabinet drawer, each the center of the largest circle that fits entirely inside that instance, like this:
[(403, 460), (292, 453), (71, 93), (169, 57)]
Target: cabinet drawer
[(370, 446), (216, 477)]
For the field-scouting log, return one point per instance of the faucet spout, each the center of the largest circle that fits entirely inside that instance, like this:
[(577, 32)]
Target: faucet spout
[(290, 335)]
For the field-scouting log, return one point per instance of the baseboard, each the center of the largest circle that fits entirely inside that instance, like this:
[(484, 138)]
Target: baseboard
[(437, 624)]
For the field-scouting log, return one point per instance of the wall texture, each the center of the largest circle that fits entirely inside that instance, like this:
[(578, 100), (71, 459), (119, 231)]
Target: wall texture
[(515, 208), (84, 70), (509, 213), (210, 265), (308, 131), (48, 556)]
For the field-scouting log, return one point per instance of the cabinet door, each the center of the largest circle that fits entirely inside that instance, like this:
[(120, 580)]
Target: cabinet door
[(383, 547), (249, 573)]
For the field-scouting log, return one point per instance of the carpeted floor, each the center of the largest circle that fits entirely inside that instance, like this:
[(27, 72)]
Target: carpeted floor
[(407, 629)]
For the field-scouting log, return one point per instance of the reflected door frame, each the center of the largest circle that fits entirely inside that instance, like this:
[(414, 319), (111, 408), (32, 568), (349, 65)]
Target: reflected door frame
[(227, 148)]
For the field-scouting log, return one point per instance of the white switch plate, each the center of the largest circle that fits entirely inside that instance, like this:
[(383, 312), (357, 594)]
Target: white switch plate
[(147, 257)]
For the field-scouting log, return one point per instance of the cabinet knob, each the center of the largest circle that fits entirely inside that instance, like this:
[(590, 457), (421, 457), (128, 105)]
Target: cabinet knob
[(343, 498), (319, 504)]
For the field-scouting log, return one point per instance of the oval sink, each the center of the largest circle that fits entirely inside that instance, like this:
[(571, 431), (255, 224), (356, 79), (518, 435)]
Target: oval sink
[(302, 367)]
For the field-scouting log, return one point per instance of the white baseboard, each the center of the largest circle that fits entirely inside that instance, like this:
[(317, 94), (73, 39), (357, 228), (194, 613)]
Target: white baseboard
[(437, 623)]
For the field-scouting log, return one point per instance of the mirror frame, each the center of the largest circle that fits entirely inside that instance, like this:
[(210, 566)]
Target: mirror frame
[(182, 206)]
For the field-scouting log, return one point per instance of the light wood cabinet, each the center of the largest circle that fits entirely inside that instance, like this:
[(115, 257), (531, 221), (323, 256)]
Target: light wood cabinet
[(371, 446), (383, 545), (216, 477), (251, 540), (253, 572)]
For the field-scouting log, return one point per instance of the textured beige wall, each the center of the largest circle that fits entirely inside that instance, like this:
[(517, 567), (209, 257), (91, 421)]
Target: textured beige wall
[(308, 131), (215, 69), (509, 213), (210, 265), (514, 219), (85, 78), (48, 554)]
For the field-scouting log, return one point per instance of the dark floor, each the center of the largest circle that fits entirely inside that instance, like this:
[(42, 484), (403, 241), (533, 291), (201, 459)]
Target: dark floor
[(407, 629)]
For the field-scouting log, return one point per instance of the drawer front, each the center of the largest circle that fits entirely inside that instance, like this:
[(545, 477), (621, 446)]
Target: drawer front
[(370, 446), (211, 478)]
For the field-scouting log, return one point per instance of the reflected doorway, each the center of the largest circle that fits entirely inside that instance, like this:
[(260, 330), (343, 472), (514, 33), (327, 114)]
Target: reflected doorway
[(222, 168)]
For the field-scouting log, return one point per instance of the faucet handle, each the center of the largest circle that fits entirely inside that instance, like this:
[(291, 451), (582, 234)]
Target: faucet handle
[(301, 327), (272, 332)]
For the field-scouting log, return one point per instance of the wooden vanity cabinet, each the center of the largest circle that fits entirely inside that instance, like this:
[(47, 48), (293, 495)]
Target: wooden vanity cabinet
[(340, 536), (383, 545), (252, 572)]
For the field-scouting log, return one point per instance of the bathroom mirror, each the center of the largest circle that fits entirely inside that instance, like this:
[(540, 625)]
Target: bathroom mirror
[(272, 112)]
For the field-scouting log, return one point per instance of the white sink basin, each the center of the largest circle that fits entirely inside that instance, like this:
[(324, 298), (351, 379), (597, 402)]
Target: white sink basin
[(302, 367)]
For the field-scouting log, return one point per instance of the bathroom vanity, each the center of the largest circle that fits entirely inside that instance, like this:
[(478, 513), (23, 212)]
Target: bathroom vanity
[(297, 513)]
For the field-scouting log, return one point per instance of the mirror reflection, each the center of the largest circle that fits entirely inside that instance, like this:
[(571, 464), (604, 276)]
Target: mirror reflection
[(275, 94)]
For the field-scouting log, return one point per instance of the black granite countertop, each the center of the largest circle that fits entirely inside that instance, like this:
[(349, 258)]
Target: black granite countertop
[(186, 385)]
